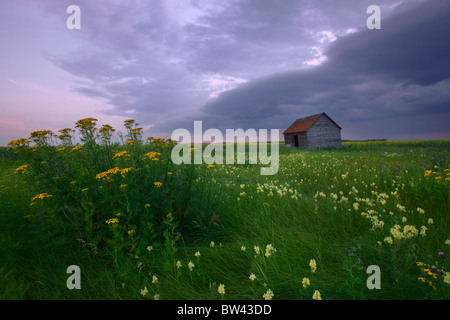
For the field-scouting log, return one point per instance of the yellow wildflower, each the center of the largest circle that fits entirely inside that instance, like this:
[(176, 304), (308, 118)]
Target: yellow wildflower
[(268, 295), (316, 295), (75, 148), (39, 196), (22, 169), (447, 278), (221, 289), (313, 265), (305, 282), (112, 221), (144, 291), (158, 184)]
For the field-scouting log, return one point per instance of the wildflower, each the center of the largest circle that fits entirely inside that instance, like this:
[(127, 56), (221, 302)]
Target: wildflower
[(305, 282), (123, 186), (22, 169), (243, 248), (169, 173), (447, 278), (191, 265), (131, 232), (256, 249), (395, 231), (39, 196), (212, 244), (156, 297), (179, 264), (313, 265), (316, 295), (221, 289), (154, 279), (147, 205), (269, 250), (197, 254), (356, 206), (75, 148), (420, 210), (252, 277), (430, 221), (149, 248), (423, 231), (268, 295), (144, 291), (409, 231), (158, 184), (153, 155), (447, 242), (388, 240), (121, 154), (112, 221), (210, 166)]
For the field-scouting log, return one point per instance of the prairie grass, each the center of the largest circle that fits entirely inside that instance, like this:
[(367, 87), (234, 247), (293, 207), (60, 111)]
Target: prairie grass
[(222, 232)]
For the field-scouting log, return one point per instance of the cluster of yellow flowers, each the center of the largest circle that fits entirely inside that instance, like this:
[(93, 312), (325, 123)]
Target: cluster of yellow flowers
[(39, 196), (86, 122), (437, 177), (106, 129), (112, 221), (22, 169), (76, 148), (408, 232), (107, 175), (316, 295), (305, 282), (121, 154), (18, 143), (268, 295), (153, 155), (313, 265), (434, 273), (269, 250), (221, 289)]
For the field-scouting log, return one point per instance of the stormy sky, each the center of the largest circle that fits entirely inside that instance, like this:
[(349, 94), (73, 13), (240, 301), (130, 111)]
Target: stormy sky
[(232, 64)]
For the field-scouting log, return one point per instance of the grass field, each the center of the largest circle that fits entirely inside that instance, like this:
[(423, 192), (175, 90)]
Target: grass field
[(140, 227)]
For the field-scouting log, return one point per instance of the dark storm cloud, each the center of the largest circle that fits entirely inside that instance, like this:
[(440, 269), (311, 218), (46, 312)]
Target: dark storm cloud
[(401, 70), (165, 62)]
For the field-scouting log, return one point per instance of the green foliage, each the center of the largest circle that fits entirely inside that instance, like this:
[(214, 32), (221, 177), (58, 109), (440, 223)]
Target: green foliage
[(96, 205)]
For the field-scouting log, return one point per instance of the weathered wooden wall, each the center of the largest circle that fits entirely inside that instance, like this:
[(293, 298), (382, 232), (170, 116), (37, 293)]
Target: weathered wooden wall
[(289, 139), (323, 133)]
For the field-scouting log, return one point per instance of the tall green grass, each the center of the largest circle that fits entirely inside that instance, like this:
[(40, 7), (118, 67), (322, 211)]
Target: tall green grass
[(339, 207)]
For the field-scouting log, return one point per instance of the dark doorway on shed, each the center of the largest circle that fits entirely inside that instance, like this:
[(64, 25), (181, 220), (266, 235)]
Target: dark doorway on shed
[(296, 141)]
